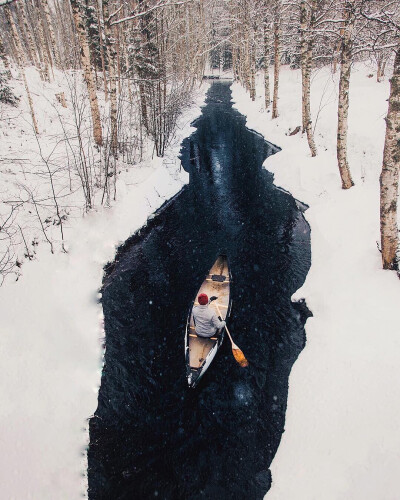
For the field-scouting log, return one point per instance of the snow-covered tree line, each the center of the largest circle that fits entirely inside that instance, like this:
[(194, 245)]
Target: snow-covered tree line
[(130, 67), (147, 45), (310, 33)]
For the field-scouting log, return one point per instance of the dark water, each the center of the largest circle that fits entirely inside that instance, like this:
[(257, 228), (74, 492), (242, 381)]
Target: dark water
[(152, 436)]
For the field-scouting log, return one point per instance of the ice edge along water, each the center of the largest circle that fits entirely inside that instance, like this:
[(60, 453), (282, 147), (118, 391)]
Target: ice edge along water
[(51, 331), (341, 438)]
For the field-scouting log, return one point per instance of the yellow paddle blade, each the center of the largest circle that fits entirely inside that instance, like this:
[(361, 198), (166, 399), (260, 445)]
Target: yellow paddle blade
[(240, 358)]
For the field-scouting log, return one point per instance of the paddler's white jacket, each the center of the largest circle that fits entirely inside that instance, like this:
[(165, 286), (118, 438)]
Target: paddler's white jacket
[(206, 321)]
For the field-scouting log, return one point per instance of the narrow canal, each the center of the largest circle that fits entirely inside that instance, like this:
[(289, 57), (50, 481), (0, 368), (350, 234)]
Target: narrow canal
[(152, 436)]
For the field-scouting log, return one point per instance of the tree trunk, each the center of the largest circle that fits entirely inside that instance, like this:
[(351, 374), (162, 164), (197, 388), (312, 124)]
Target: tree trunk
[(343, 107), (253, 70), (234, 60), (378, 72), (381, 68), (235, 57), (306, 43), (277, 62), (65, 34), (44, 38), (87, 72), (246, 58), (267, 96), (303, 58), (128, 68), (43, 46), (389, 179), (102, 54), (118, 50), (53, 41), (336, 53), (19, 51), (24, 30), (113, 80), (31, 43), (143, 83)]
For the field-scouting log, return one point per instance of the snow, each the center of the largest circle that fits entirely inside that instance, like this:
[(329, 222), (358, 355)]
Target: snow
[(51, 321), (27, 162), (342, 438)]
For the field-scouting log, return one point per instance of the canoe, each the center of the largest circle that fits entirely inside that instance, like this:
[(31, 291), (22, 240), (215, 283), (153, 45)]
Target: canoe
[(200, 351)]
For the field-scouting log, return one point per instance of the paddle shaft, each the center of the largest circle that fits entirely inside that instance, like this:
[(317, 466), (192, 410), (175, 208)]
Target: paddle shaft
[(226, 328)]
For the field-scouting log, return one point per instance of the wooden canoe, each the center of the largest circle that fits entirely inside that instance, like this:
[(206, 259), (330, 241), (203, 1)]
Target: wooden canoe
[(200, 351)]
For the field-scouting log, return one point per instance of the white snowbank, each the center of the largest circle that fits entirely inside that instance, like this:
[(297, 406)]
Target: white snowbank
[(342, 437), (50, 342)]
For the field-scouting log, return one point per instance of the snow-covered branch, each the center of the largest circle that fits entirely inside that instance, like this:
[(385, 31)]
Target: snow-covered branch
[(160, 5)]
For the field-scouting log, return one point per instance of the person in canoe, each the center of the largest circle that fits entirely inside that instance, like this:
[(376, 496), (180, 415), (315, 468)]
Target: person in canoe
[(205, 319)]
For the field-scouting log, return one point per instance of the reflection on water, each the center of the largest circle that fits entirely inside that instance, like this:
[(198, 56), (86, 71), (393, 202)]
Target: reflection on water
[(151, 436)]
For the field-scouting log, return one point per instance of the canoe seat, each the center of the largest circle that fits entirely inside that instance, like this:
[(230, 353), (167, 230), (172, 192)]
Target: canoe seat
[(222, 282), (218, 277), (194, 335)]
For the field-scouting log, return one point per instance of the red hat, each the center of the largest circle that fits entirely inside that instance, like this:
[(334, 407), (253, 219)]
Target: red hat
[(203, 299)]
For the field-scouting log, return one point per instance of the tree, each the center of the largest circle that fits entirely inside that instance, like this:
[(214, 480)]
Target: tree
[(389, 179), (346, 58), (111, 57), (49, 23), (87, 72), (25, 30), (19, 54), (267, 56), (307, 21), (386, 21), (277, 55), (44, 48)]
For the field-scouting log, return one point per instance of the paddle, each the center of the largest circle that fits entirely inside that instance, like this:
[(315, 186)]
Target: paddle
[(237, 353)]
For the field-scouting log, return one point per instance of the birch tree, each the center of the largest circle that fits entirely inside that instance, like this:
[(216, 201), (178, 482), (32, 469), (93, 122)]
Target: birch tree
[(349, 18), (88, 72), (277, 55), (43, 51), (49, 23), (307, 20), (386, 19), (28, 33), (266, 52), (252, 54), (20, 59), (111, 58), (389, 179)]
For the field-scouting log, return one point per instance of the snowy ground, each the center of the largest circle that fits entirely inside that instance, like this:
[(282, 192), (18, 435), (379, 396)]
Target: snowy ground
[(51, 322), (28, 163), (342, 438)]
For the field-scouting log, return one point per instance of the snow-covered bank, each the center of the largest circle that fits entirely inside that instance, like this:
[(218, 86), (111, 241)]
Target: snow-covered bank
[(50, 342), (51, 179), (342, 438)]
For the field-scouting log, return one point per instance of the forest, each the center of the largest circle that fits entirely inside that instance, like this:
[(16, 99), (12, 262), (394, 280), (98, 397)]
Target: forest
[(129, 69)]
